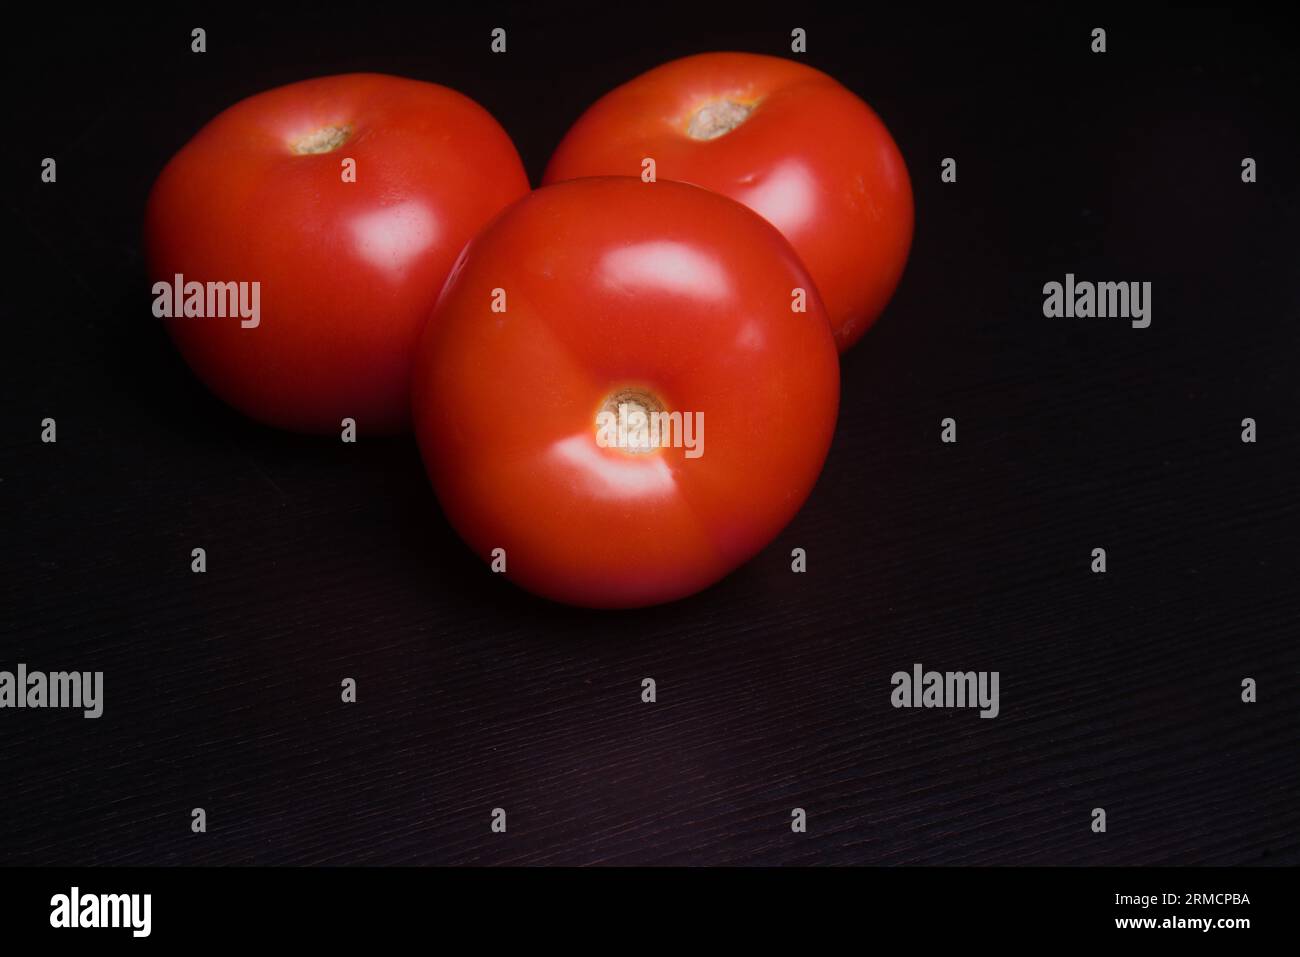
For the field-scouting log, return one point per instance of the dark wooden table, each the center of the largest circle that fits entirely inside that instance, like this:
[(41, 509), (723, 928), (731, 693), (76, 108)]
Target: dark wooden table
[(325, 561)]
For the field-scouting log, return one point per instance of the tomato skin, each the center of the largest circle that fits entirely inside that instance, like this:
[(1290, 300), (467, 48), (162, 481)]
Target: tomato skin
[(812, 158), (348, 270), (612, 284)]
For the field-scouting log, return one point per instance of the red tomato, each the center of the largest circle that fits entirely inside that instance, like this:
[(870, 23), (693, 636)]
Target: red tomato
[(657, 298), (348, 271), (784, 139)]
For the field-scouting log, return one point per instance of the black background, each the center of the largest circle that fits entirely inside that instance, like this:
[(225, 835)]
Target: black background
[(328, 561)]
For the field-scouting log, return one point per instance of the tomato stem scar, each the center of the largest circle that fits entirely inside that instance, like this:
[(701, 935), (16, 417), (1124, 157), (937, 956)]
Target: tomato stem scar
[(634, 409), (717, 118), (323, 140)]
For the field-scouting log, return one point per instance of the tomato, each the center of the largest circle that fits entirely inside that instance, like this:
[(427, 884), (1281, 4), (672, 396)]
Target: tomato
[(581, 316), (346, 199), (784, 139)]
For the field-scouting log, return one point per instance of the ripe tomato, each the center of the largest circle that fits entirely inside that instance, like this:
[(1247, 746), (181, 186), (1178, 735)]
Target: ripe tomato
[(605, 300), (784, 139), (348, 270)]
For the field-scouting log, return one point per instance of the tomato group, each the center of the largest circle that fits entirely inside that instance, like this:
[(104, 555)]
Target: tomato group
[(782, 138), (586, 312), (335, 208), (626, 385)]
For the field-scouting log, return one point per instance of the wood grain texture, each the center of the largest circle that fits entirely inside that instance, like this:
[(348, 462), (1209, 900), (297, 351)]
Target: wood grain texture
[(1119, 691)]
